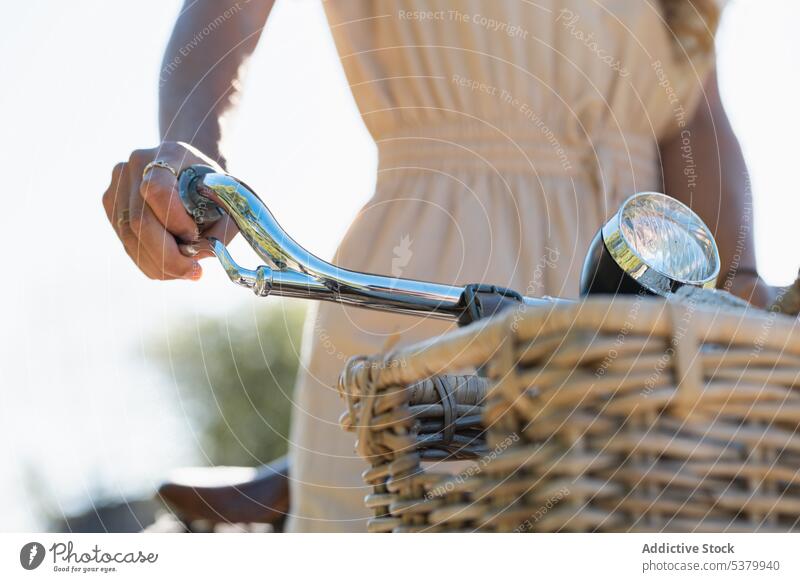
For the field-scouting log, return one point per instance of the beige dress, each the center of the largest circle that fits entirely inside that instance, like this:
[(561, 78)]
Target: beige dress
[(508, 130)]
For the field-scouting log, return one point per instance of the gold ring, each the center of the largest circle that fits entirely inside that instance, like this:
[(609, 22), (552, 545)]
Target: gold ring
[(159, 164), (124, 218)]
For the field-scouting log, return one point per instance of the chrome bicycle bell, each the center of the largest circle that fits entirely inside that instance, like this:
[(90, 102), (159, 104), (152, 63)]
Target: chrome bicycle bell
[(653, 244)]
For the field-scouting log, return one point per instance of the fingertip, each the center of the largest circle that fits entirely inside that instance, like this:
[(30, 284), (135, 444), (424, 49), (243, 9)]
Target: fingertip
[(196, 272), (189, 250)]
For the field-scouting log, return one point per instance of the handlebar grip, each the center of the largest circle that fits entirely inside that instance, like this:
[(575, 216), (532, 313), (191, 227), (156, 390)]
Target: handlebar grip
[(203, 211)]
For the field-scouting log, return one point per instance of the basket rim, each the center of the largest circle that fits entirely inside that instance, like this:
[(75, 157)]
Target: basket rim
[(474, 345)]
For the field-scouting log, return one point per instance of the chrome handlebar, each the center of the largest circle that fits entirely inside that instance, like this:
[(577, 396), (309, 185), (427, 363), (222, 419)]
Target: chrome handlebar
[(291, 270)]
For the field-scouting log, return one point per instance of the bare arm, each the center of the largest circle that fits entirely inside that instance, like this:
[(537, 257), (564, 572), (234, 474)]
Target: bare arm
[(199, 84), (704, 168), (203, 68)]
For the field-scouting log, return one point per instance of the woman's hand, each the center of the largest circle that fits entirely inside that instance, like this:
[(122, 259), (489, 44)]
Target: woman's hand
[(197, 89), (752, 288), (148, 215)]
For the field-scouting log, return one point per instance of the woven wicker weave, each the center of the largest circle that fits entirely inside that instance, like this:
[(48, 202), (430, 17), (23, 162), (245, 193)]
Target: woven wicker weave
[(636, 414)]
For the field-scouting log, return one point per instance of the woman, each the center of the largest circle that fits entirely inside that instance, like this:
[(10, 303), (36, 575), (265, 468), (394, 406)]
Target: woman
[(507, 132)]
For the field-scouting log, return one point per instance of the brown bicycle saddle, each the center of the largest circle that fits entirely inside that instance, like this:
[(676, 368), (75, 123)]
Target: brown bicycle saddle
[(230, 494)]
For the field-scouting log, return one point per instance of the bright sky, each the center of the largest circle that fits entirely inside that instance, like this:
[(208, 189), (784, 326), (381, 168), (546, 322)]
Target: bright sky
[(81, 410)]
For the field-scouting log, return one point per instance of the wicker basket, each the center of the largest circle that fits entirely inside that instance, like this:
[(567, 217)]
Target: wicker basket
[(632, 414)]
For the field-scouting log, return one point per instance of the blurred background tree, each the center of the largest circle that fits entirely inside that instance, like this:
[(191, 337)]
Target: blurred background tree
[(235, 377)]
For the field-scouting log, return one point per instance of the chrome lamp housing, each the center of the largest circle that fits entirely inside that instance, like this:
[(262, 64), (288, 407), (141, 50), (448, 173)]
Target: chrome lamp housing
[(653, 245)]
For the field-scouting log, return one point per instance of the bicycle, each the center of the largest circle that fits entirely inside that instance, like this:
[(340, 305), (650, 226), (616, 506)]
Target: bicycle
[(408, 409)]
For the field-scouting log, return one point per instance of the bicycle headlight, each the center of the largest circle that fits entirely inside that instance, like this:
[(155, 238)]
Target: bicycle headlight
[(653, 244)]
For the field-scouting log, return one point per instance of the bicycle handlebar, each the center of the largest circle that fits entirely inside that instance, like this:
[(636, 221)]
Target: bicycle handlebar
[(291, 270)]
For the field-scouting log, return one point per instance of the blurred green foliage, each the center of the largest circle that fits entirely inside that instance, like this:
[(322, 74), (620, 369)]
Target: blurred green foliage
[(235, 376)]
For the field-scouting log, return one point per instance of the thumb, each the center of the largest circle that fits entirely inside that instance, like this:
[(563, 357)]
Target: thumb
[(159, 190), (225, 230)]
